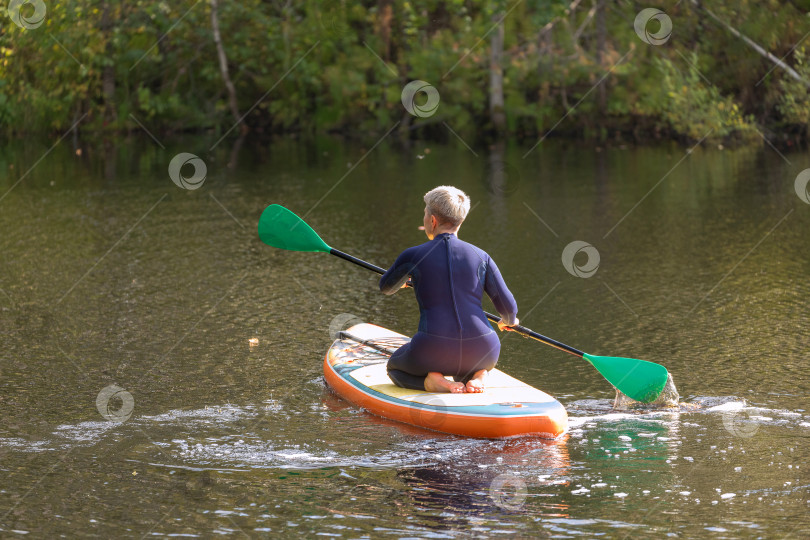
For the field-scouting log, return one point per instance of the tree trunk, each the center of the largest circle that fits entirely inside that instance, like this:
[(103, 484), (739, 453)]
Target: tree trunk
[(544, 44), (223, 64), (496, 104), (601, 35), (751, 43), (108, 71), (545, 41), (385, 14)]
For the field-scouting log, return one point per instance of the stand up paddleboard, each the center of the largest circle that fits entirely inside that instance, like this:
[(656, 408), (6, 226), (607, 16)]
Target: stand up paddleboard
[(354, 367)]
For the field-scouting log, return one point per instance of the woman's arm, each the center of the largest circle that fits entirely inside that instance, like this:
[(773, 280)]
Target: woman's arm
[(500, 295), (396, 276)]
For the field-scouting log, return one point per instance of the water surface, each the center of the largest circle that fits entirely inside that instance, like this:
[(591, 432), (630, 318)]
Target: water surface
[(112, 275)]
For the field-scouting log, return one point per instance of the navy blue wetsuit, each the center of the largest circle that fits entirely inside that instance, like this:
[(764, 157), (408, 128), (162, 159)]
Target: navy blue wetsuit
[(454, 338)]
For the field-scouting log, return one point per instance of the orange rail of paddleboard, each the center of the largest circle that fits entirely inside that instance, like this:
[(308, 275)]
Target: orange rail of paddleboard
[(470, 425)]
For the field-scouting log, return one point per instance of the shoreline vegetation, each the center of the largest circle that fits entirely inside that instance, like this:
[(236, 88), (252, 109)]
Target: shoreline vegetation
[(726, 72)]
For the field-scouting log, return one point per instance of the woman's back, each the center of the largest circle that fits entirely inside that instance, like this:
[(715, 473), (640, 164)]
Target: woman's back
[(450, 277)]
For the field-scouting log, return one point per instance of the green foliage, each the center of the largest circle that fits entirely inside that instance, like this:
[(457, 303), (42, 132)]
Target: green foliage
[(692, 107), (795, 96), (340, 65)]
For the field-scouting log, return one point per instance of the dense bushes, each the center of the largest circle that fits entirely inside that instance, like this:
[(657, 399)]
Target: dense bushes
[(340, 65)]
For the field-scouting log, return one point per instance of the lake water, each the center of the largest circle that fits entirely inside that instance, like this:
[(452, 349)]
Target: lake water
[(134, 403)]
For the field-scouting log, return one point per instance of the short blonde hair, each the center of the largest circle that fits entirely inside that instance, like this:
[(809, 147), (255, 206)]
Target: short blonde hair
[(448, 204)]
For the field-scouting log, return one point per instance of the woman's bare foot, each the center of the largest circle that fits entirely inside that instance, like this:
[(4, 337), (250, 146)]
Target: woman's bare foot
[(435, 382), (476, 384)]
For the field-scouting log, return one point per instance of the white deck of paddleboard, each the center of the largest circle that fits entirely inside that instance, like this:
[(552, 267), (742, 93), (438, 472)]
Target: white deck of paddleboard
[(500, 387)]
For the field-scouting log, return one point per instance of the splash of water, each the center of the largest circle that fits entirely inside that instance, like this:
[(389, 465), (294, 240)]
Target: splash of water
[(668, 398)]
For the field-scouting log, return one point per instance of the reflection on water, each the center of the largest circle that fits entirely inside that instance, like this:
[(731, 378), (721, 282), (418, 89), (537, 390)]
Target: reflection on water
[(444, 482), (111, 275)]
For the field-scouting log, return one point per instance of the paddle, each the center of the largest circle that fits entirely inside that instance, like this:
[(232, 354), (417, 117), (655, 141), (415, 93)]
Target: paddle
[(640, 380)]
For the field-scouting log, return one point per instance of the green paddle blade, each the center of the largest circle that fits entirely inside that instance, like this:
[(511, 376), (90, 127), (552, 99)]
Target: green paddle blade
[(638, 379), (282, 229)]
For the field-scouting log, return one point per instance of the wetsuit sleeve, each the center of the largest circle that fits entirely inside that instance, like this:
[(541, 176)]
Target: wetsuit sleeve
[(501, 297), (398, 274)]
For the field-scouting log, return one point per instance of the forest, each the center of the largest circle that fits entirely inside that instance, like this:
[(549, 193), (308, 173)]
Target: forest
[(729, 71)]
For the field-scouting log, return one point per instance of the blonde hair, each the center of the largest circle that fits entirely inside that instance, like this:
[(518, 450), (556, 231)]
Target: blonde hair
[(448, 204)]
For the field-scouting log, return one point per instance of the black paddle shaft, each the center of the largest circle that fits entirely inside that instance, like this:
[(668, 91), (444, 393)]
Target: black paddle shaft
[(358, 262), (376, 346), (525, 332)]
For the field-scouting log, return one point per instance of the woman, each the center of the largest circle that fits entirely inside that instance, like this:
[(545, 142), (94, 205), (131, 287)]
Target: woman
[(449, 277)]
